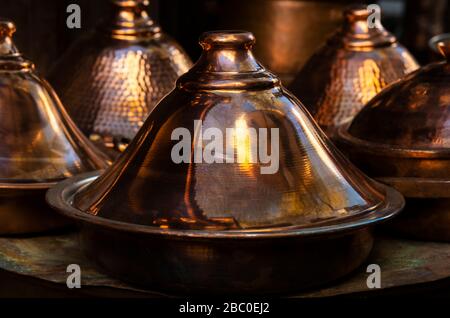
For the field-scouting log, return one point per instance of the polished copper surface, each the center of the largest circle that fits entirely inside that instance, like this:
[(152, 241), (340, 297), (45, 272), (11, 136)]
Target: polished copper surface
[(402, 137), (40, 144), (112, 78), (356, 63), (194, 209)]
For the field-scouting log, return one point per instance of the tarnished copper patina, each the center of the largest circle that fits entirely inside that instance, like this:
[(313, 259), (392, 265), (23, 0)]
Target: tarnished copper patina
[(402, 136), (112, 78), (356, 63), (39, 145), (228, 225)]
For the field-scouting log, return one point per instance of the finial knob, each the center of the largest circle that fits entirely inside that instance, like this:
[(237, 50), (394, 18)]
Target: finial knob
[(7, 29)]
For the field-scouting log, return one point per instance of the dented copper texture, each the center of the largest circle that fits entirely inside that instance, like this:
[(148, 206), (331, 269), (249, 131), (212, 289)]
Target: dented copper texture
[(39, 146), (112, 78), (402, 137), (356, 63), (312, 213)]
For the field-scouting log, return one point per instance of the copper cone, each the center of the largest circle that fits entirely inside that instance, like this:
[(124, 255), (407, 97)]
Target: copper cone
[(314, 189), (40, 144), (112, 78), (356, 63), (403, 136)]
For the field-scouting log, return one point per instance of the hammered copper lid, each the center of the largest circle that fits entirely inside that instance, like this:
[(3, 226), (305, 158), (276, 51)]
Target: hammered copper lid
[(110, 79), (310, 183), (356, 63), (409, 120), (413, 113), (39, 143)]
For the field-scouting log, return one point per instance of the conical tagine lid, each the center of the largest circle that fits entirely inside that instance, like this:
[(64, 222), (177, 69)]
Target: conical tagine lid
[(230, 149), (110, 79), (413, 113), (39, 143), (356, 63)]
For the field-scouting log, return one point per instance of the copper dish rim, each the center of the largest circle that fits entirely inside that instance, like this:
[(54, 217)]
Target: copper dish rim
[(419, 188), (388, 150), (27, 185), (60, 197), (432, 43), (406, 185)]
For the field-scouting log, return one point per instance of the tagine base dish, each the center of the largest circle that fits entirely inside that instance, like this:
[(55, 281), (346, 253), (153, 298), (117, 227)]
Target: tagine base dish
[(25, 211), (405, 264), (397, 162), (221, 262), (427, 211)]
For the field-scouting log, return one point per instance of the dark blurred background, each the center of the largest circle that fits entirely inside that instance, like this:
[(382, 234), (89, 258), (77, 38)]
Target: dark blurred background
[(287, 31)]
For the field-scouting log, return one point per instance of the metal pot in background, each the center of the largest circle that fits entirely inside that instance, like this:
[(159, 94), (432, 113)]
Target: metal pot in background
[(40, 145), (110, 79), (354, 64)]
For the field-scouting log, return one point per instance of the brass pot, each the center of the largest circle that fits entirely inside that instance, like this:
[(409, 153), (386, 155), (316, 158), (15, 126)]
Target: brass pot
[(228, 225), (356, 63), (402, 137), (40, 144), (112, 78)]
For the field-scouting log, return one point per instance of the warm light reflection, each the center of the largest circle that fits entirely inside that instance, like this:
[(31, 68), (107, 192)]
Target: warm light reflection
[(132, 75), (244, 139), (371, 81)]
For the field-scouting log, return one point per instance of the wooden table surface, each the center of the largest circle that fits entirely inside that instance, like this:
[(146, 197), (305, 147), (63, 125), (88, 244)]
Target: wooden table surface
[(41, 262)]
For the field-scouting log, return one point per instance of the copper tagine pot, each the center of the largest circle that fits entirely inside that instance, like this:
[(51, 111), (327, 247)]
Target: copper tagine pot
[(356, 63), (39, 146), (198, 202), (112, 78), (402, 137)]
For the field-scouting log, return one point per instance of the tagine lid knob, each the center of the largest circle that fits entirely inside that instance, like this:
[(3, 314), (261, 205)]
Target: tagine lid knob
[(131, 20), (227, 61), (10, 57), (362, 28), (444, 49)]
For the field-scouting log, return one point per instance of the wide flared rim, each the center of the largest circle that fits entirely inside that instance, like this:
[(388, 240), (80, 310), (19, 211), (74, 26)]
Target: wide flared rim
[(61, 197)]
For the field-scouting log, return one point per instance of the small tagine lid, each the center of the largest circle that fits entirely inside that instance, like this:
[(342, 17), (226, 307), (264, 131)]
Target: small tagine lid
[(174, 177), (40, 144), (413, 113)]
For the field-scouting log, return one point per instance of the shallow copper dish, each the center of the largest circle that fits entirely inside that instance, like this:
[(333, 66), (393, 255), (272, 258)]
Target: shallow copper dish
[(402, 138), (356, 63), (39, 146), (228, 227), (110, 79)]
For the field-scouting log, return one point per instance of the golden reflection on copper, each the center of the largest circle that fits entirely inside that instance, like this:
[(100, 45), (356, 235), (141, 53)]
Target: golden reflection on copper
[(112, 78), (354, 65)]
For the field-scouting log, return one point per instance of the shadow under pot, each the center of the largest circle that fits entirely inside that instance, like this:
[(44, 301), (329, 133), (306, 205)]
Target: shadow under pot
[(221, 220), (402, 138)]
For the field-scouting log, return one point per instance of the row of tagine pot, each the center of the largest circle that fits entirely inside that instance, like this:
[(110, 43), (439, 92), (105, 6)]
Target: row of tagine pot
[(194, 226)]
